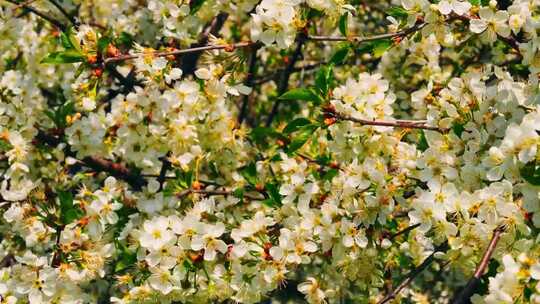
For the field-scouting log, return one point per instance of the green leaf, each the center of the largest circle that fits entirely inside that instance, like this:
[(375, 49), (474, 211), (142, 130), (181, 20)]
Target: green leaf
[(296, 124), (239, 193), (531, 173), (184, 178), (422, 142), (69, 56), (323, 80), (125, 40), (330, 174), (273, 192), (458, 128), (340, 55), (303, 136), (126, 258), (195, 6), (249, 172), (301, 94), (376, 47), (397, 12), (69, 40), (381, 46), (343, 23), (68, 211), (103, 43), (475, 2), (261, 135)]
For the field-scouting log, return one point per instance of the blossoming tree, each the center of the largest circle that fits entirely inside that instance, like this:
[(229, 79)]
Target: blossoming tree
[(257, 151)]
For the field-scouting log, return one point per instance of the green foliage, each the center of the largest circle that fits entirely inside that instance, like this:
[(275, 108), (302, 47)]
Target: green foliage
[(195, 6), (397, 12), (302, 94), (126, 258), (69, 212), (323, 80), (296, 124), (249, 172), (376, 47), (341, 54), (303, 135), (343, 24), (69, 56), (274, 199), (59, 116), (72, 52), (531, 173)]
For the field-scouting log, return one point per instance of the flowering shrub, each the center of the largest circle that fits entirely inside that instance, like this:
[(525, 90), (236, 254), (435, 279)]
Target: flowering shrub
[(321, 151)]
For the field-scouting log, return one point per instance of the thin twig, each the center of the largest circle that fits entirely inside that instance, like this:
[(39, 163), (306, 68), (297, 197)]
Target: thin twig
[(188, 63), (68, 16), (362, 39), (405, 230), (465, 294), (215, 192), (409, 278), (229, 47), (407, 124), (46, 17)]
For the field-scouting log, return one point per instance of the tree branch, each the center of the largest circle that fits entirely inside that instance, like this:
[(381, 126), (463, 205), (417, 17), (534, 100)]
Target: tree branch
[(410, 277), (465, 294), (407, 124), (98, 164), (68, 16), (189, 62), (363, 39), (228, 47), (214, 193), (283, 84), (44, 16), (249, 82)]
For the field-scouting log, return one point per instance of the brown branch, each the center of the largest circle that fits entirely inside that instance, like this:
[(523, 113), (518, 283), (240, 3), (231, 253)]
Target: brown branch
[(407, 124), (363, 39), (68, 16), (283, 84), (405, 230), (189, 63), (215, 192), (98, 164), (44, 16), (252, 69), (115, 169), (465, 294), (228, 47), (409, 278), (165, 166), (7, 261)]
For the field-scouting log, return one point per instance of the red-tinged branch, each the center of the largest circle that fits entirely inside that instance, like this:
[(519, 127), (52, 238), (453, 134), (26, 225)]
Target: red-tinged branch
[(216, 192), (98, 164), (227, 47), (406, 124), (363, 39), (409, 278), (469, 289)]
